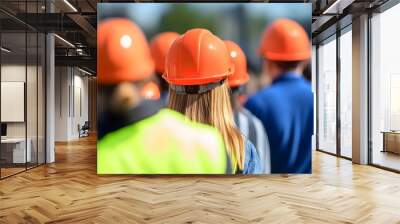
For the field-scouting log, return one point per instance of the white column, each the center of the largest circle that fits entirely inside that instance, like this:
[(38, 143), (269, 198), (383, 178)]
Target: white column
[(360, 90), (50, 92)]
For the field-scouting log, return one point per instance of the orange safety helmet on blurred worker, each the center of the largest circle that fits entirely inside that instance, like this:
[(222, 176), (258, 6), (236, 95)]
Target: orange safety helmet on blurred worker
[(196, 58), (150, 91), (240, 76), (159, 47), (123, 52), (285, 40)]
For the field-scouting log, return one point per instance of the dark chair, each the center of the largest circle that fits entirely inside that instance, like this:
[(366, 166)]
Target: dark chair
[(84, 130)]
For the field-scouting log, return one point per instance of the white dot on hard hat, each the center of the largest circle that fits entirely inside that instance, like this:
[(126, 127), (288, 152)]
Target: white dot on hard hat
[(211, 46), (233, 54), (126, 41)]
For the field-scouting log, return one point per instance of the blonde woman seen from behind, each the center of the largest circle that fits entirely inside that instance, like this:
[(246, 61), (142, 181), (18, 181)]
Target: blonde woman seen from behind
[(197, 66)]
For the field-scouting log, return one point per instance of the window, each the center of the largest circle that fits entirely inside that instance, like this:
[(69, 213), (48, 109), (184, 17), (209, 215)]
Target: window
[(314, 89), (385, 89), (327, 96), (346, 93), (22, 91)]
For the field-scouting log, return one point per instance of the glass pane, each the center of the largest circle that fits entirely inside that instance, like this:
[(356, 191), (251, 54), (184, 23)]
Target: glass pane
[(346, 93), (314, 87), (32, 86), (14, 153), (31, 97), (23, 83), (386, 89), (41, 98), (327, 96)]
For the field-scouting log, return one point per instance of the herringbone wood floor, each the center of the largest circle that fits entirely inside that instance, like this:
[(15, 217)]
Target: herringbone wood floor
[(69, 191)]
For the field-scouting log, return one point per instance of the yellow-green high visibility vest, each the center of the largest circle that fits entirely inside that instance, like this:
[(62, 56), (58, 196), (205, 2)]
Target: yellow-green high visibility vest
[(165, 143)]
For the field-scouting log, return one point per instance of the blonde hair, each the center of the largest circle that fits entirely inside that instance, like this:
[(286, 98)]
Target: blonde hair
[(213, 108)]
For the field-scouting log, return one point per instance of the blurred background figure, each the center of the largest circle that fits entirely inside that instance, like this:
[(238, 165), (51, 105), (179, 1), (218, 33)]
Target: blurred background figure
[(123, 72), (151, 91), (249, 125), (286, 107), (197, 66), (136, 136), (241, 23), (159, 46)]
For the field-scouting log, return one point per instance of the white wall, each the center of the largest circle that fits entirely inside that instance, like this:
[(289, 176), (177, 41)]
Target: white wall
[(13, 73), (62, 81), (80, 100), (16, 73), (71, 93), (33, 126)]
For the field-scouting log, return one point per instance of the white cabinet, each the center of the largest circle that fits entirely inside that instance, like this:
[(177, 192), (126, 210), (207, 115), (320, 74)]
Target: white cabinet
[(19, 155)]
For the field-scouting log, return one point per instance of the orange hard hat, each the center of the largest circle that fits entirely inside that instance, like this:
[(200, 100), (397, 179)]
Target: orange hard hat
[(240, 76), (123, 52), (150, 91), (159, 46), (196, 58), (285, 40)]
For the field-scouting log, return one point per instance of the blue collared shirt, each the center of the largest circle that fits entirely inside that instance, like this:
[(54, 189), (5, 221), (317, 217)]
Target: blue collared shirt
[(252, 163), (252, 128), (286, 110)]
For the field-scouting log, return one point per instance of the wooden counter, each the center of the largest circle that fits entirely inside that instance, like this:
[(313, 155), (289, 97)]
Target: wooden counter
[(391, 141)]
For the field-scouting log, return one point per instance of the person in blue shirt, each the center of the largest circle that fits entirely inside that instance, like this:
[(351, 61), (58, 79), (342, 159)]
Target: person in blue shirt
[(286, 106)]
